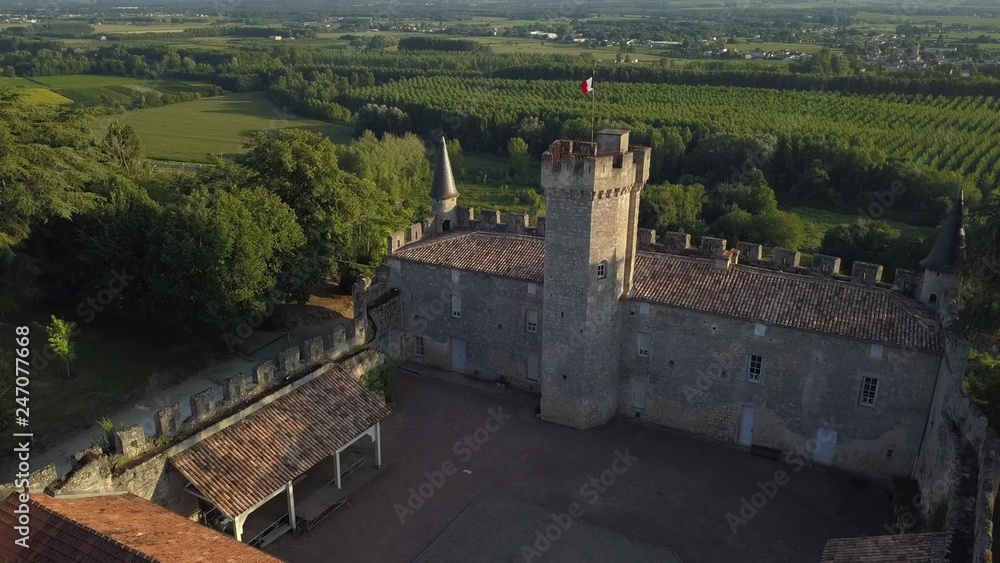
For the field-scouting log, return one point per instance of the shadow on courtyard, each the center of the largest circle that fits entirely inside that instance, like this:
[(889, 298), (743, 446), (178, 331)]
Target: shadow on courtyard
[(659, 486)]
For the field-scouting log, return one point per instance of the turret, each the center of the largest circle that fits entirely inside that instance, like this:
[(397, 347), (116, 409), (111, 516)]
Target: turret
[(939, 284), (444, 194)]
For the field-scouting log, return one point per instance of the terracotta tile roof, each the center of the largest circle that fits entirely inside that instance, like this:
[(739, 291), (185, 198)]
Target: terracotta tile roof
[(792, 300), (911, 548), (120, 528), (514, 256), (243, 464)]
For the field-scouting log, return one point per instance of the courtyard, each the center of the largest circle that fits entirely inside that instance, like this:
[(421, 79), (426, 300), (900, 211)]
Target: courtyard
[(471, 474)]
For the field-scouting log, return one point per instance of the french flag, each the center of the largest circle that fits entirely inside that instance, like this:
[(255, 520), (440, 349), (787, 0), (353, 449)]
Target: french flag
[(587, 86)]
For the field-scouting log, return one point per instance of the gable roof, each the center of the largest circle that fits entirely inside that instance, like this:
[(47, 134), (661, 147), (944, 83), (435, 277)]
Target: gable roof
[(798, 301), (122, 528), (245, 463)]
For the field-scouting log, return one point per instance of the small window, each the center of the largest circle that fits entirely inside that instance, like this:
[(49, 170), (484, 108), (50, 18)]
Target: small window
[(602, 269), (933, 299), (455, 276), (532, 289), (755, 367), (643, 345), (877, 351), (869, 390), (759, 329), (531, 320), (446, 225), (418, 346), (644, 308), (456, 306)]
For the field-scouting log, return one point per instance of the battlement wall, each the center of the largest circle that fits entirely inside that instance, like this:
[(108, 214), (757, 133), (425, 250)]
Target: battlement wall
[(782, 259), (468, 219)]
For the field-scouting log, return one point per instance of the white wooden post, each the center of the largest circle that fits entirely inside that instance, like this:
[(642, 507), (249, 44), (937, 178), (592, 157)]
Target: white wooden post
[(337, 455), (291, 506), (378, 445), (238, 528)]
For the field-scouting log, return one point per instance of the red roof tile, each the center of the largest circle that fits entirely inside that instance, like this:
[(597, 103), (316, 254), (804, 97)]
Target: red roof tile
[(243, 464), (784, 299), (120, 528), (911, 548)]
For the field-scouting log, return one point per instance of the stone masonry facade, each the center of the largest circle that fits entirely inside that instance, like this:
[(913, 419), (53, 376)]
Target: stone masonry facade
[(557, 309)]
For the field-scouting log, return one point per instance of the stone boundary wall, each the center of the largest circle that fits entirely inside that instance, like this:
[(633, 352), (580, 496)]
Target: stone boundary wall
[(139, 464), (466, 218), (782, 259), (945, 470)]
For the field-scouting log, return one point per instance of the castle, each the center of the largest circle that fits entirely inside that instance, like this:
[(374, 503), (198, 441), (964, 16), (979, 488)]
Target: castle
[(603, 318)]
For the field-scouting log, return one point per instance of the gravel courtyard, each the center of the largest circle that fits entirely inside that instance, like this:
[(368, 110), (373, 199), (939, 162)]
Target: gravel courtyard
[(630, 485)]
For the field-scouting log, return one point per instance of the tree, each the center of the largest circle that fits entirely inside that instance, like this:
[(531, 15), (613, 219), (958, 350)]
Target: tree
[(454, 153), (672, 207), (982, 384), (60, 335), (517, 151), (343, 217), (48, 157), (121, 145), (381, 119), (222, 256), (979, 271)]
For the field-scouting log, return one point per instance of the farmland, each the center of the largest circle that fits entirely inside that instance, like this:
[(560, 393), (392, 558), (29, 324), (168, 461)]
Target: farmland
[(92, 90), (190, 131)]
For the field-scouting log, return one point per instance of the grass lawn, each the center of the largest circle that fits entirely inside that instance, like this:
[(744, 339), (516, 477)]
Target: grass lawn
[(189, 131), (114, 362)]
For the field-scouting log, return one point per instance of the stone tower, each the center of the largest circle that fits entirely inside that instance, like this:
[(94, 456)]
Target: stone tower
[(939, 285), (443, 191), (592, 210)]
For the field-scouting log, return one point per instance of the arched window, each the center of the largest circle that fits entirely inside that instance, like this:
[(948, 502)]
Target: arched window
[(933, 298), (602, 269)]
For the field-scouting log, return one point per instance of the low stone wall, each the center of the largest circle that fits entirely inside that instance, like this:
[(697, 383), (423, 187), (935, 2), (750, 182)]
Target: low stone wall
[(140, 465)]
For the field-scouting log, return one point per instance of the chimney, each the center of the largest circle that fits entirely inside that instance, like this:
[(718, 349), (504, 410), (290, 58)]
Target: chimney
[(724, 259)]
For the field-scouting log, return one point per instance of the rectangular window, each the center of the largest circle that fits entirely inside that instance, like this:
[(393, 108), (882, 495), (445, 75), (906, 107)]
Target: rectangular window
[(643, 308), (602, 269), (755, 366), (418, 346), (869, 390), (759, 329), (532, 289), (877, 351), (643, 345), (455, 276), (531, 320), (456, 306)]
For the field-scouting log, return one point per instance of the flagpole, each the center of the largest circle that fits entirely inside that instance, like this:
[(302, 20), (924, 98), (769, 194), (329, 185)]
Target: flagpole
[(593, 110)]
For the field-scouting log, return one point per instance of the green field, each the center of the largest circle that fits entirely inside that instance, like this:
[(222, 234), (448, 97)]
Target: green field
[(94, 89), (190, 131)]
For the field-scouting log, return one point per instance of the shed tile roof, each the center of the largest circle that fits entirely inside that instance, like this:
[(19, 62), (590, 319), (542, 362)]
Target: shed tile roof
[(243, 464), (911, 548), (121, 528), (797, 301)]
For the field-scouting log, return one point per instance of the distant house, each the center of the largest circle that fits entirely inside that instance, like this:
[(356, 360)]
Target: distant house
[(543, 35), (663, 44), (104, 38), (275, 38)]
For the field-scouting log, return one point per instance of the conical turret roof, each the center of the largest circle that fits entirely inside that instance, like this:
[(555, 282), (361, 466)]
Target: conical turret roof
[(444, 181), (948, 247)]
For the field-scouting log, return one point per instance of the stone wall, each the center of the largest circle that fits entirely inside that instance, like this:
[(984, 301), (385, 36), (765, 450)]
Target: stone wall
[(783, 259), (958, 466), (140, 463), (695, 377), (466, 218), (492, 325)]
